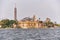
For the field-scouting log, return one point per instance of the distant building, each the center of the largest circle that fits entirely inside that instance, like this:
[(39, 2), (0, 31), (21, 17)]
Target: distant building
[(28, 23), (15, 16), (15, 13), (47, 20), (40, 24)]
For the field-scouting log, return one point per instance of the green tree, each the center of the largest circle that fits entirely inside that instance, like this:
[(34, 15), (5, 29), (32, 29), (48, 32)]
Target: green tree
[(49, 24), (11, 22), (7, 23)]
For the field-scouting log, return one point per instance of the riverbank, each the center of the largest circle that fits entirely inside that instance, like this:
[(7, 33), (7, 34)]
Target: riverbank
[(31, 28)]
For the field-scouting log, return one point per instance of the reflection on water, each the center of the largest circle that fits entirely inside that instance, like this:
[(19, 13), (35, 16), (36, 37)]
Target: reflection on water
[(29, 34)]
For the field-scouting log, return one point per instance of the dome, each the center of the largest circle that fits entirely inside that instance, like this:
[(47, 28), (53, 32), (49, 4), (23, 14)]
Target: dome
[(27, 19)]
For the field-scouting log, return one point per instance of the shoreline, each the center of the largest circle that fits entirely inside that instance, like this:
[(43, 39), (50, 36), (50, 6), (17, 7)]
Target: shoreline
[(30, 28)]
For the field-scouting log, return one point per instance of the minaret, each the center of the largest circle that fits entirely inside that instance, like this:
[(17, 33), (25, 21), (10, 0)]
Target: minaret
[(15, 13), (34, 17)]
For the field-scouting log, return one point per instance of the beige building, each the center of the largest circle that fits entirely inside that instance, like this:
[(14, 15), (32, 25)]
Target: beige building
[(28, 22)]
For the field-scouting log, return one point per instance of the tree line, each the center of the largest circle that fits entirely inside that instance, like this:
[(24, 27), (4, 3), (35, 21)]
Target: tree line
[(6, 23)]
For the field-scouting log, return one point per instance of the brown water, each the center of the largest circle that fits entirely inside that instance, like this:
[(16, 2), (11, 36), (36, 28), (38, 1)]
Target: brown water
[(29, 34)]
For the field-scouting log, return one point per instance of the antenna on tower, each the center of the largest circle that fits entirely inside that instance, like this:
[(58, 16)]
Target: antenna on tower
[(15, 5)]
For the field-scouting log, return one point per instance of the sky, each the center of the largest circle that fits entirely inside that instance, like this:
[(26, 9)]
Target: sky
[(27, 8)]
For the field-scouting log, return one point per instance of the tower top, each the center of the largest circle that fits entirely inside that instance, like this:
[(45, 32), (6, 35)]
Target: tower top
[(15, 5)]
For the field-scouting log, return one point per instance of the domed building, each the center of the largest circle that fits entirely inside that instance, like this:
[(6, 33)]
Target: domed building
[(28, 22)]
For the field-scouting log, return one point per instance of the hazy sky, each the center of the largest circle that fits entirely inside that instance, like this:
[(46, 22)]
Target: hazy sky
[(27, 8)]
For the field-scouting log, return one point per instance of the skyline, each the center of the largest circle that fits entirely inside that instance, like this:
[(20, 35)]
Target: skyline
[(27, 8)]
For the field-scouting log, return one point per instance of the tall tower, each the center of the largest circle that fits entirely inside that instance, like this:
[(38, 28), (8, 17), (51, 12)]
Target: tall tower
[(15, 13)]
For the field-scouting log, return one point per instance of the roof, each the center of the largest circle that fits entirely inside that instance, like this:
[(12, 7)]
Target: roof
[(27, 19)]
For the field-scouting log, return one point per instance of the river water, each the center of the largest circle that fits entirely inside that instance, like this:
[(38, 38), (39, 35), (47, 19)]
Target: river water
[(30, 34)]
